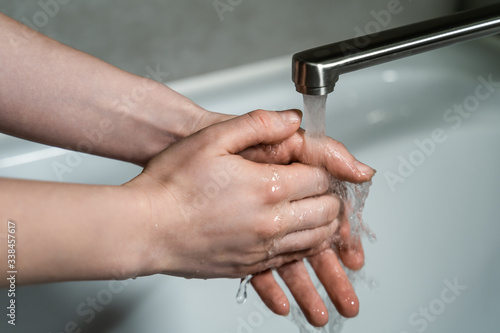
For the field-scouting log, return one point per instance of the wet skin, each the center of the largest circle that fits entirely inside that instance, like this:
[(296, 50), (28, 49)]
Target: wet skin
[(326, 262)]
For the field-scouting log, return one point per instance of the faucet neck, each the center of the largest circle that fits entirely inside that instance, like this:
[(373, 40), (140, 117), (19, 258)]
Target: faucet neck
[(316, 71)]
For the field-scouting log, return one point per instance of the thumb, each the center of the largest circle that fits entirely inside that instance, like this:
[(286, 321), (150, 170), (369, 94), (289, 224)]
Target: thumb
[(253, 128)]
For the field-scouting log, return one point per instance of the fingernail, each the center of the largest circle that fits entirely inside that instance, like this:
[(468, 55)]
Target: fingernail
[(364, 169), (290, 116)]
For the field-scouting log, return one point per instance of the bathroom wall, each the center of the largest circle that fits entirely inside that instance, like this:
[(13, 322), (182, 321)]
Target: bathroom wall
[(190, 37)]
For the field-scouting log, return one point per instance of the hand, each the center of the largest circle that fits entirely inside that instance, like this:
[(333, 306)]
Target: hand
[(333, 156), (340, 163), (295, 275), (216, 214)]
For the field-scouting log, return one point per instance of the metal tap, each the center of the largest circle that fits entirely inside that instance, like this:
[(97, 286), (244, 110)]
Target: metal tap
[(315, 71)]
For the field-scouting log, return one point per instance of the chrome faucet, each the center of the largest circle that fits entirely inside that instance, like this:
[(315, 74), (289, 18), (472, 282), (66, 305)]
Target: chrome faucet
[(316, 71)]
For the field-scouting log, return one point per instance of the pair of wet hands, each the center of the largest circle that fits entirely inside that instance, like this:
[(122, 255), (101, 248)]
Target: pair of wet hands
[(344, 249), (209, 231)]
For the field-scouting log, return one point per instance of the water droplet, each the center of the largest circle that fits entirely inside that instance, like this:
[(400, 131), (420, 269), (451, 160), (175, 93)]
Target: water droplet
[(372, 237), (373, 284), (241, 295)]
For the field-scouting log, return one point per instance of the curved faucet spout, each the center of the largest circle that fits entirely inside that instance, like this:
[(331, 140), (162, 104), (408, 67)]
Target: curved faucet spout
[(316, 71)]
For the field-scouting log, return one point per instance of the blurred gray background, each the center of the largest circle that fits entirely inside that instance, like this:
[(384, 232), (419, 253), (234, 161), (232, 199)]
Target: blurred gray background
[(191, 37)]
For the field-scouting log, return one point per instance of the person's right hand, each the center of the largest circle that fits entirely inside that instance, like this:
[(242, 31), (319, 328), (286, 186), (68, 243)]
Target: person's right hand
[(214, 213)]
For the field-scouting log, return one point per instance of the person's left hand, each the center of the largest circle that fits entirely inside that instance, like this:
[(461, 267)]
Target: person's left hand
[(335, 158)]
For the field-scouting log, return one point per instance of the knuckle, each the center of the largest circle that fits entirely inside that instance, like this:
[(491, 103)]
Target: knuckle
[(322, 180), (332, 205), (258, 263), (264, 265), (260, 118), (277, 261), (247, 264), (327, 244), (335, 150), (274, 189), (266, 230), (339, 145), (276, 153), (321, 235), (273, 192)]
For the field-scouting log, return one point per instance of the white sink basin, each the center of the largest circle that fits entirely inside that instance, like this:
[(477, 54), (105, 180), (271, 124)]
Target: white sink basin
[(437, 220)]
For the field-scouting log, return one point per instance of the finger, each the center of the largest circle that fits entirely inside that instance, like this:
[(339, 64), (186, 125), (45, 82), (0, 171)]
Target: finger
[(310, 213), (353, 258), (296, 277), (349, 246), (279, 260), (337, 284), (335, 158), (300, 241), (256, 127), (295, 181), (325, 152), (271, 293)]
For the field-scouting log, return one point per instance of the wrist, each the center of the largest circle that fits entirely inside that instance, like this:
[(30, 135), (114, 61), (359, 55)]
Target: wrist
[(162, 119), (151, 216), (133, 228)]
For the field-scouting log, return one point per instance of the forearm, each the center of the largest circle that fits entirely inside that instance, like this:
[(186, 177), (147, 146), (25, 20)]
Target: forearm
[(53, 94), (73, 232)]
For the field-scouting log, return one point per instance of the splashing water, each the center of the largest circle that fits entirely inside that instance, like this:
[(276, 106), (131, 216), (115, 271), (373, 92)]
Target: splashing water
[(353, 196), (241, 295)]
